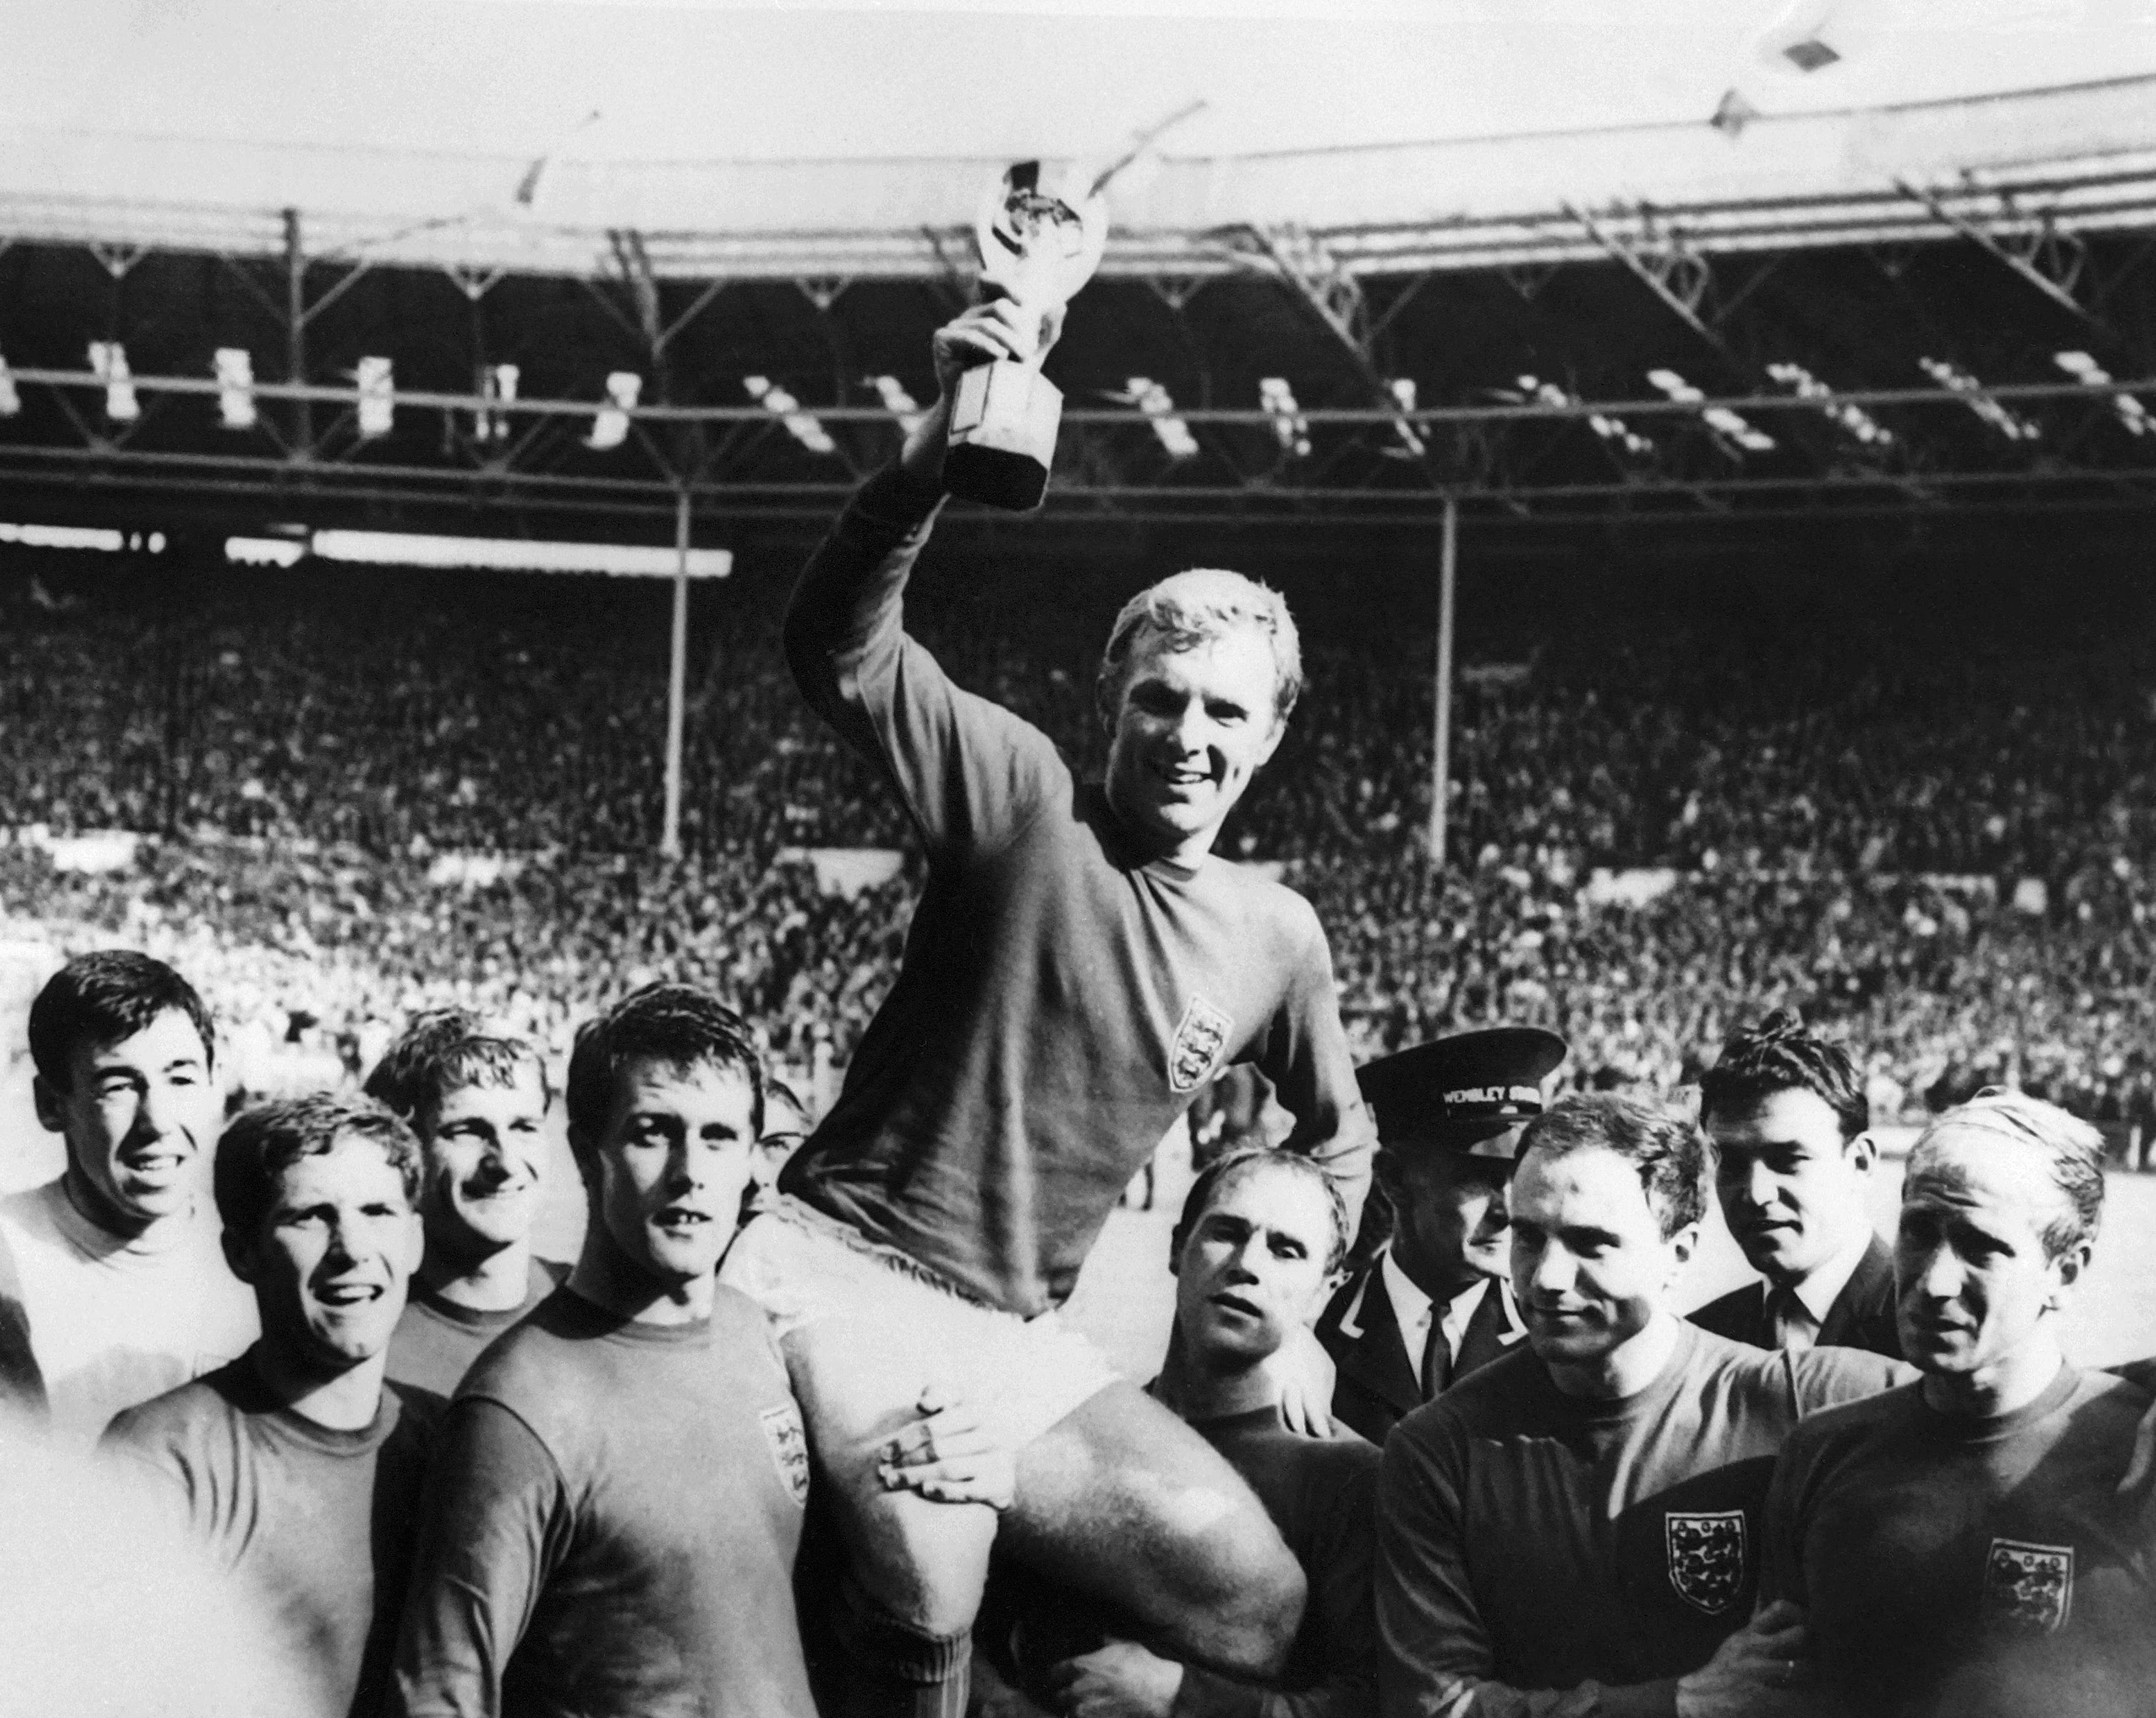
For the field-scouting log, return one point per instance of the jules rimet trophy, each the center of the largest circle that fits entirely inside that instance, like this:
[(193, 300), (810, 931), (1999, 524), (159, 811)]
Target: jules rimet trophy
[(1040, 234)]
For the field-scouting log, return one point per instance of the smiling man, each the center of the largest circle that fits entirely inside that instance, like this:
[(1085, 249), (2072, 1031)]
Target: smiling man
[(1575, 1529), (1788, 1118), (113, 1271), (478, 1101), (297, 1470), (1079, 965), (1960, 1544)]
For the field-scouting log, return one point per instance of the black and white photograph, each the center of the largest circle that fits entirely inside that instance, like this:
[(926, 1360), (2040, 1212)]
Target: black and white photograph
[(992, 859)]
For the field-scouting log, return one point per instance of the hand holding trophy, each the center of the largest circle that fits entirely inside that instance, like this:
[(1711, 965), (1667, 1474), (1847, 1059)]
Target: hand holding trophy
[(1040, 239)]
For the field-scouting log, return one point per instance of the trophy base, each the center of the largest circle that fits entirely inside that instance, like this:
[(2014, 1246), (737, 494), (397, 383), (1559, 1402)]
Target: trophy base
[(1002, 442)]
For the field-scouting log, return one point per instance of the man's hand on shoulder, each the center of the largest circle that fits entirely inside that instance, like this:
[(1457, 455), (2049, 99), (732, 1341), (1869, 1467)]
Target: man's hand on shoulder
[(988, 331), (1304, 1373), (1121, 1680)]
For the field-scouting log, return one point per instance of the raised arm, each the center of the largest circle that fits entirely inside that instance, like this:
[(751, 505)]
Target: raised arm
[(967, 771), (494, 1521)]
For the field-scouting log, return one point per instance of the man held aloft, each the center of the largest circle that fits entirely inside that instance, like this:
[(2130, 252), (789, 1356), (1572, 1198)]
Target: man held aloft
[(1080, 963), (1436, 1304), (1788, 1117)]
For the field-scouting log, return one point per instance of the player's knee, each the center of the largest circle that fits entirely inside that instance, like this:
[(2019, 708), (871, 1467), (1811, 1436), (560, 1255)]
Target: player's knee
[(917, 1649)]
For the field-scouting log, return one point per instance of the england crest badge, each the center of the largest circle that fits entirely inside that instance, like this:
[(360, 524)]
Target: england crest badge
[(2027, 1589), (788, 1439), (1199, 1039), (1707, 1554)]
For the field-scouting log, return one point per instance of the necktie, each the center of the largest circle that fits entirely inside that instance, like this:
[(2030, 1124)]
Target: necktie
[(1789, 1321), (1436, 1358)]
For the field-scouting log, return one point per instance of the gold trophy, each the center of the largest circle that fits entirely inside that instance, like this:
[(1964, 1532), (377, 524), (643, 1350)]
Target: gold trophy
[(1040, 237)]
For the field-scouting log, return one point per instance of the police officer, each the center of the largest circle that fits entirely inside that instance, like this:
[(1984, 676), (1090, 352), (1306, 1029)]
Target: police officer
[(1436, 1304)]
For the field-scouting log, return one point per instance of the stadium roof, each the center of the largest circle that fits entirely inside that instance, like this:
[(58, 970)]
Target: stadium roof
[(1554, 268)]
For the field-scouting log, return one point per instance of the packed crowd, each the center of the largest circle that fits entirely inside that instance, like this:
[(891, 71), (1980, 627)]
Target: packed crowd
[(1848, 803)]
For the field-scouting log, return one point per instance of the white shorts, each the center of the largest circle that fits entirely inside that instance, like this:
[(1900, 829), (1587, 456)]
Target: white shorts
[(1021, 1375)]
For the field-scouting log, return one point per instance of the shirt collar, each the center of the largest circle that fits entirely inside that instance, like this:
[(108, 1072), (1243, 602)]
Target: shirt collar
[(1817, 1293)]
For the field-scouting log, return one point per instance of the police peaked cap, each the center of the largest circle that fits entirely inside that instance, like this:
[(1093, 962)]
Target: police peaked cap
[(1461, 1094)]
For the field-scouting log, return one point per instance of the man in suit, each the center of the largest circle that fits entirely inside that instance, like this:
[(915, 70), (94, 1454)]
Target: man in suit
[(1787, 1111), (1435, 1303)]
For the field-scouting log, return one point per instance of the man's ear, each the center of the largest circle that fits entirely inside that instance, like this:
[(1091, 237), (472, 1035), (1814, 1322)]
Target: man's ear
[(1862, 1153), (2070, 1265), (1272, 744), (49, 1102), (238, 1254), (1681, 1245)]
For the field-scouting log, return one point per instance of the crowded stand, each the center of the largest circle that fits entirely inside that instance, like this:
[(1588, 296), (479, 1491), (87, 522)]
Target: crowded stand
[(1884, 818), (800, 1428)]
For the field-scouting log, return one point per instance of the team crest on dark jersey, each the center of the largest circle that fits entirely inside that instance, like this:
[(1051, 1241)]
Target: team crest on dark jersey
[(788, 1439), (2027, 1589), (1706, 1557), (1198, 1042)]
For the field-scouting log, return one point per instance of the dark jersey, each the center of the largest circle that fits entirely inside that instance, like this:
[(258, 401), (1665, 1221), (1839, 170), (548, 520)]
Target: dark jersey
[(436, 1341), (1321, 1494), (1977, 1566), (612, 1525), (1530, 1543), (1061, 997), (316, 1525)]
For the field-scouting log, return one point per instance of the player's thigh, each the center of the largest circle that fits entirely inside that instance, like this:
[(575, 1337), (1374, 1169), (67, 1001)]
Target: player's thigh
[(858, 1381), (1122, 1500)]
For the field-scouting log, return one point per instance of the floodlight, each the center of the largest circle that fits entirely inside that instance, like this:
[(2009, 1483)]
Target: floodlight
[(496, 382), (264, 551), (10, 401), (1720, 419), (610, 426), (1151, 399), (108, 361), (2131, 412), (235, 386), (897, 401), (1609, 429), (1403, 390), (1852, 420), (801, 425), (377, 409), (2006, 421), (1289, 423)]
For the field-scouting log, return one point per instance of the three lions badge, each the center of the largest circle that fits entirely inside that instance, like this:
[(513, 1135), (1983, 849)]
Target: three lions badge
[(2027, 1589), (1707, 1558), (1199, 1039)]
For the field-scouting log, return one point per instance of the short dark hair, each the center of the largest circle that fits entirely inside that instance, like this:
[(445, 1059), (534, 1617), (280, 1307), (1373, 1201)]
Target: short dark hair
[(440, 1051), (1776, 1054), (1249, 1160), (675, 1024), (2073, 1152), (265, 1139), (102, 998), (1674, 1159)]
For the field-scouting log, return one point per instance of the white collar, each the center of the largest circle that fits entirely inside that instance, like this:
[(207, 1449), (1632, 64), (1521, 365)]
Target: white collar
[(1817, 1293)]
